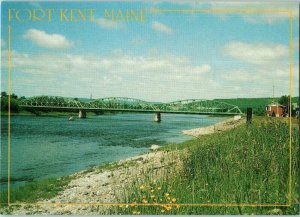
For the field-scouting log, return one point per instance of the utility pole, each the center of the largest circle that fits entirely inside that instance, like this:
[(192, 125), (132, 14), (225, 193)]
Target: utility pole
[(273, 95)]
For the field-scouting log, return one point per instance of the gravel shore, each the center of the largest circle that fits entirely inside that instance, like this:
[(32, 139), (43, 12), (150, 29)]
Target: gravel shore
[(219, 127), (101, 186)]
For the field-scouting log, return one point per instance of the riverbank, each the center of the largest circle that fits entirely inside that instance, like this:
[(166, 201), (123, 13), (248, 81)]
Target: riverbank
[(50, 114), (228, 124), (100, 185), (192, 174)]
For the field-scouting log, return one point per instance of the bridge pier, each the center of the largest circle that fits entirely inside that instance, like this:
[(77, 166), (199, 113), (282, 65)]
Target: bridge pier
[(82, 114), (157, 117)]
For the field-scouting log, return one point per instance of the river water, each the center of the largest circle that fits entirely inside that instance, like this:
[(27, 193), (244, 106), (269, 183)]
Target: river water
[(44, 147)]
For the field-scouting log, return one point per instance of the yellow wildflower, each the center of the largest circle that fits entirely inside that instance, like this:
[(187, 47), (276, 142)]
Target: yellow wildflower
[(173, 200), (162, 210), (152, 191), (167, 194), (142, 187), (144, 201), (136, 212), (168, 208), (158, 188), (133, 205), (152, 196)]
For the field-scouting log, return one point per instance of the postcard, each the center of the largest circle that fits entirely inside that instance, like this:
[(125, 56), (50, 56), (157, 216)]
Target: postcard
[(149, 108)]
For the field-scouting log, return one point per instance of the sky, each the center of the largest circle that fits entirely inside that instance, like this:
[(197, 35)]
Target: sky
[(171, 56)]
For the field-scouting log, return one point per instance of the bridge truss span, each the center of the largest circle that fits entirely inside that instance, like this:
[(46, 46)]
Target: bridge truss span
[(51, 102), (123, 103), (190, 106)]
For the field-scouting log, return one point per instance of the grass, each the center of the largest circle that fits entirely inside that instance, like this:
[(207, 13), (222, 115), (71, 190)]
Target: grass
[(32, 192), (247, 165)]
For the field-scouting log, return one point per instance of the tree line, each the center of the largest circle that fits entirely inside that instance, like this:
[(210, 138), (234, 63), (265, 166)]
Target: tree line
[(14, 102)]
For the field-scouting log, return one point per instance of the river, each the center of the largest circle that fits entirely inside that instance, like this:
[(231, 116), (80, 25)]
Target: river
[(44, 146)]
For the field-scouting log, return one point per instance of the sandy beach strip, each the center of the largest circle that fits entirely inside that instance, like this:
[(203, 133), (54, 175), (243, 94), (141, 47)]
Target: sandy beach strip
[(218, 127)]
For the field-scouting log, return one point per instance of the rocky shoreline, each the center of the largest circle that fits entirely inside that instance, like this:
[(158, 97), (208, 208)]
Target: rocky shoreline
[(219, 127), (101, 186)]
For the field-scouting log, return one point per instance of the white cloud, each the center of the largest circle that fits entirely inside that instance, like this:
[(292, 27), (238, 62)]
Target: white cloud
[(156, 77), (45, 40), (152, 78), (256, 53), (261, 79), (161, 27), (117, 63), (269, 66), (107, 24)]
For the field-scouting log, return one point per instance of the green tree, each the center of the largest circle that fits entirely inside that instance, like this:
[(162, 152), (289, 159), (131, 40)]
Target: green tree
[(4, 103), (3, 94), (14, 96), (14, 105), (14, 102), (284, 100)]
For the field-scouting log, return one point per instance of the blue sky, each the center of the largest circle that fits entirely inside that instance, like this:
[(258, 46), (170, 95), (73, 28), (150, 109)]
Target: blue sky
[(171, 56)]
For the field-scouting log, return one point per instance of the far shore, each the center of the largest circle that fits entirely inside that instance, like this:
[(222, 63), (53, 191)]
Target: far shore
[(50, 114)]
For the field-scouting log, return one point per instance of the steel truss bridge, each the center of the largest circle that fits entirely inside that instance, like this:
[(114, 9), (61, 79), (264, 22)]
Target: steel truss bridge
[(122, 104)]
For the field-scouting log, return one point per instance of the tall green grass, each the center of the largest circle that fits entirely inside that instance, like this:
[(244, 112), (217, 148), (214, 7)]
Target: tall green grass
[(247, 165), (32, 192)]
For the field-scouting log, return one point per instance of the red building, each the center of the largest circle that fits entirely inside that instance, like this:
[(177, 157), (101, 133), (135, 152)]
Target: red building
[(276, 110)]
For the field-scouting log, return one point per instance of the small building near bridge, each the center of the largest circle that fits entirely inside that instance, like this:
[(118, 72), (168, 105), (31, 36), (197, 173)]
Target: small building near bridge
[(276, 110)]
